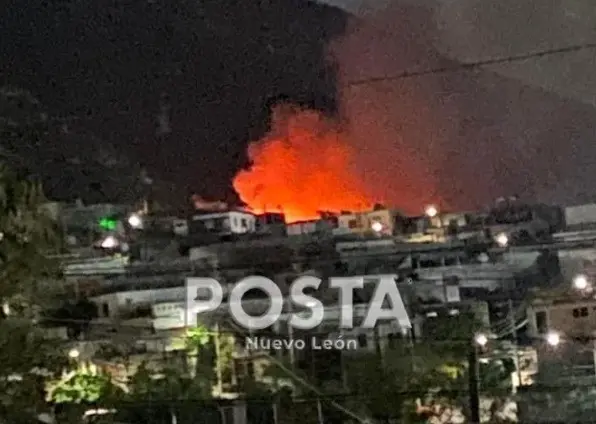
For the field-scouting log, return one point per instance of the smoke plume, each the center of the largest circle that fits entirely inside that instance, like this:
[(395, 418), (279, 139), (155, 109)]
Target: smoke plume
[(386, 150), (456, 139), (304, 165), (471, 136)]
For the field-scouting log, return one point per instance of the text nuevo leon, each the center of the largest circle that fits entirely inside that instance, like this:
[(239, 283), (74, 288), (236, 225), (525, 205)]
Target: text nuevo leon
[(265, 343)]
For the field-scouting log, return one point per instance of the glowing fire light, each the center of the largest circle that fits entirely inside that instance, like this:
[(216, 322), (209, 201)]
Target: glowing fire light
[(301, 167)]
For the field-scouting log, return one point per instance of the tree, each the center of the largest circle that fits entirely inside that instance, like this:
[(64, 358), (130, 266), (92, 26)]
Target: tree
[(27, 234), (70, 160), (81, 390), (200, 353), (27, 358), (75, 316), (85, 387), (171, 383), (175, 379), (428, 380)]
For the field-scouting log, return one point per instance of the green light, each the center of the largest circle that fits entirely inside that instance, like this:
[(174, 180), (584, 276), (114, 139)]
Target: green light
[(108, 224)]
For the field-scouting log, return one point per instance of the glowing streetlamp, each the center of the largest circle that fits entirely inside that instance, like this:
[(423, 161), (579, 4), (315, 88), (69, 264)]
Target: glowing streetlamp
[(580, 282), (377, 227), (74, 354), (431, 211), (110, 242), (135, 221), (502, 240), (481, 339), (553, 338)]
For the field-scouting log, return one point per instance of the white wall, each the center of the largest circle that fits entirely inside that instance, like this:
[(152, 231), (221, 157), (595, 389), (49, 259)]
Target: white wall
[(298, 228), (581, 214), (95, 266), (577, 261), (235, 218), (236, 222), (168, 315), (116, 301)]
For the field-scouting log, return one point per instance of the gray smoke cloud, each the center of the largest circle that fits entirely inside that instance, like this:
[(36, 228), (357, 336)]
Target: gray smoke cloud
[(462, 137)]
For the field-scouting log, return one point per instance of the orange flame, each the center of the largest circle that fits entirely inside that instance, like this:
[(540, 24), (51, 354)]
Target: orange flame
[(301, 167)]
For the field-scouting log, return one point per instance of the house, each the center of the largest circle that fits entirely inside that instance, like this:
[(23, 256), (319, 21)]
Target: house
[(380, 221), (310, 227), (223, 222), (571, 314)]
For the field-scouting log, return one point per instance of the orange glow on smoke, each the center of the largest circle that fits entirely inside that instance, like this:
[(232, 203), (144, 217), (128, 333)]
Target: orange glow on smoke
[(302, 166)]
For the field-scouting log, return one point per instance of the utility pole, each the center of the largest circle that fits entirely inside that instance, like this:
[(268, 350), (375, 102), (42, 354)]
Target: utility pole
[(291, 333), (218, 360), (320, 415), (511, 314), (474, 384), (378, 348), (344, 374)]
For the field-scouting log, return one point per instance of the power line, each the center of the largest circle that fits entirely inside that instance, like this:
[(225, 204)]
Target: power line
[(466, 66)]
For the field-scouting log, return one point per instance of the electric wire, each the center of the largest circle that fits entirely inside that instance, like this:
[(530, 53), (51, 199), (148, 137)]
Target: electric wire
[(466, 66)]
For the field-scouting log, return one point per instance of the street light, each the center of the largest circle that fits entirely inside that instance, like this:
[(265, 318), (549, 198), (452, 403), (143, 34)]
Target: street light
[(74, 353), (553, 338), (481, 339), (377, 226), (110, 242), (431, 211), (580, 282), (502, 240), (135, 221)]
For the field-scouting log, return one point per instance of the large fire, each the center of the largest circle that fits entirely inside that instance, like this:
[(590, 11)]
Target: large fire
[(301, 167)]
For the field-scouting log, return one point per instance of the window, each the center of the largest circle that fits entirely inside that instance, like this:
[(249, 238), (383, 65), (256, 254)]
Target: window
[(353, 223), (362, 340), (105, 309), (541, 322), (580, 312), (430, 263), (244, 223)]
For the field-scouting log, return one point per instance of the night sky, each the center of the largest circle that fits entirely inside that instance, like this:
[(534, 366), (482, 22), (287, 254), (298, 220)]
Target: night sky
[(215, 67)]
